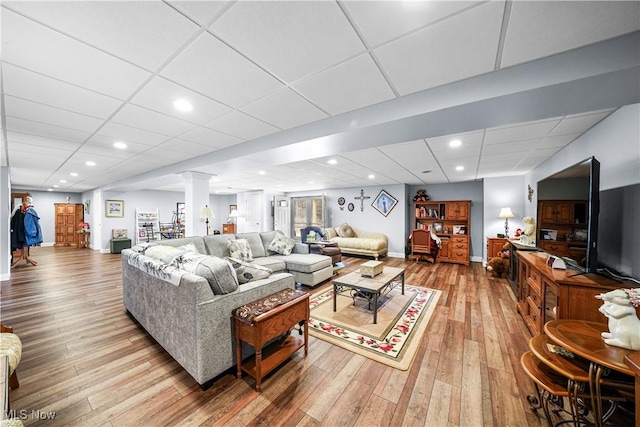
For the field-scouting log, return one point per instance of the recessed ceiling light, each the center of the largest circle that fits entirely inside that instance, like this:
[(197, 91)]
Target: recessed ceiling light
[(120, 145), (371, 176), (73, 174), (63, 181), (90, 163), (309, 182), (459, 168), (455, 143), (262, 173), (55, 186), (332, 161), (182, 105), (49, 189)]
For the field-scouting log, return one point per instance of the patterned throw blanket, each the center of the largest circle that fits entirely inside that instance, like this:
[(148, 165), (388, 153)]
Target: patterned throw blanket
[(155, 268)]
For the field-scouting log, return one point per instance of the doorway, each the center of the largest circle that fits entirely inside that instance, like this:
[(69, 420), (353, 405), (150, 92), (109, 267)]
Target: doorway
[(306, 212)]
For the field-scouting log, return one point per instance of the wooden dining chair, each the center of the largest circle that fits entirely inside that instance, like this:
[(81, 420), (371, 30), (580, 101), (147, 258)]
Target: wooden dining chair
[(423, 245)]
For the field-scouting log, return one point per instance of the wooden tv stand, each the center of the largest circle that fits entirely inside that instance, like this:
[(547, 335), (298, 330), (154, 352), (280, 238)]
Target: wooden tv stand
[(546, 294), (258, 322)]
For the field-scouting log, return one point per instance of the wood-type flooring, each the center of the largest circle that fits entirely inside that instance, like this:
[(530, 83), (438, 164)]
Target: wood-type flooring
[(86, 362)]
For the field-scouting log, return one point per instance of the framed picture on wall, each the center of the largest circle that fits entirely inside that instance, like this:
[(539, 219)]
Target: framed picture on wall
[(384, 202), (114, 208)]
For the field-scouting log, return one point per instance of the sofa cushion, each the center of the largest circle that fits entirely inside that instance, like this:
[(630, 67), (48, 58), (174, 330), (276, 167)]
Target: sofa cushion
[(220, 275), (282, 245), (191, 247), (255, 243), (345, 230), (305, 263), (240, 249), (267, 237), (274, 263), (216, 244), (246, 272)]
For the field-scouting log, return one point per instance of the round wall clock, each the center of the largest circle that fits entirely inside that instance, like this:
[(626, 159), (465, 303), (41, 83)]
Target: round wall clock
[(341, 201), (351, 207)]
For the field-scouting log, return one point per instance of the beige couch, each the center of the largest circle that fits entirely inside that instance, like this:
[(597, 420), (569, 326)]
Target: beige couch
[(358, 242)]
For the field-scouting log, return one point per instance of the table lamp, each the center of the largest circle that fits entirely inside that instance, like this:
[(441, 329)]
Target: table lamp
[(506, 214), (205, 213), (232, 216)]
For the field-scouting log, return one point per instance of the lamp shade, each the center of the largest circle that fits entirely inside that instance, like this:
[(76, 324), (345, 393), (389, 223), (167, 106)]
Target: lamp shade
[(206, 213), (506, 213), (234, 213)]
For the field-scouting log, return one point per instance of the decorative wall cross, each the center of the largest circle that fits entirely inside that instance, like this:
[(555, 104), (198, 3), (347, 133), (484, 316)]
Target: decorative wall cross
[(362, 198)]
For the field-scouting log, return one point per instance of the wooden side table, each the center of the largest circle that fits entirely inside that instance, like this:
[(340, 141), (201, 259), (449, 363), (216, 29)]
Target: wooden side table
[(83, 239), (258, 322), (229, 228)]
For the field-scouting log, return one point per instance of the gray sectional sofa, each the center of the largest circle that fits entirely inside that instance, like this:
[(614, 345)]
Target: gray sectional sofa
[(180, 309)]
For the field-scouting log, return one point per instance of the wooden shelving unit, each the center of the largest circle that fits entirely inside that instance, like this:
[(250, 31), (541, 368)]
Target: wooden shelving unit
[(450, 221), (147, 226)]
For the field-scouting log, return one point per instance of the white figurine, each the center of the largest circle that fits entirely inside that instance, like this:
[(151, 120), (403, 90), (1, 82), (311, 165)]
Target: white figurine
[(619, 307)]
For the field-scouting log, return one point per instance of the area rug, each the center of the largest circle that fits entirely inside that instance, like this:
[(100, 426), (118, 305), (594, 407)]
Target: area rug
[(394, 340)]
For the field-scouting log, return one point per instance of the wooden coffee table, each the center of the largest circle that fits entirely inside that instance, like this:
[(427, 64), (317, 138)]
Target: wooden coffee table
[(370, 288)]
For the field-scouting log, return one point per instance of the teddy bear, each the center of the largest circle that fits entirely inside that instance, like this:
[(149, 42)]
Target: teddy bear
[(421, 196), (499, 265), (528, 236)]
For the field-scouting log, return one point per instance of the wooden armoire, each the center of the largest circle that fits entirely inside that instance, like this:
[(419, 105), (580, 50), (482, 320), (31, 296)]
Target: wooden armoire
[(68, 218)]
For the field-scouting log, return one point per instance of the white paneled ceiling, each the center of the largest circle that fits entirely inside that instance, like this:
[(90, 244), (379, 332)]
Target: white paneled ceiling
[(279, 88)]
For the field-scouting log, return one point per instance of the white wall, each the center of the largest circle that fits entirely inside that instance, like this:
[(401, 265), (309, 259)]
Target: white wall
[(5, 219), (471, 190), (501, 193), (369, 219)]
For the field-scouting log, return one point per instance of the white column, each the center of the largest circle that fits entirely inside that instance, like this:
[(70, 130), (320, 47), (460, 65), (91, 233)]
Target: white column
[(5, 218), (196, 196)]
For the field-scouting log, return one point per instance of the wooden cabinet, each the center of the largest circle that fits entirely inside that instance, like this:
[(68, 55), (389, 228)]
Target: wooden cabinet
[(556, 212), (568, 220), (457, 211), (494, 246), (450, 221), (229, 228), (68, 217), (546, 294)]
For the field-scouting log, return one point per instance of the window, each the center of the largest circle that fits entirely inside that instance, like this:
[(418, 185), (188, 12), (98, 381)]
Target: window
[(307, 211)]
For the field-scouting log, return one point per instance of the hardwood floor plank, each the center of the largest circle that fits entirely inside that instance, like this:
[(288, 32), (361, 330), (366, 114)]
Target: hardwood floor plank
[(88, 361)]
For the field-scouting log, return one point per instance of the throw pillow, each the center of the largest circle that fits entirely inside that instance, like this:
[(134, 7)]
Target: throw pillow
[(247, 272), (345, 230), (240, 249), (218, 272), (282, 244)]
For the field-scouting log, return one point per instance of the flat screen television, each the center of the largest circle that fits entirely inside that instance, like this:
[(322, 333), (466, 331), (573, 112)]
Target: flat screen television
[(578, 182)]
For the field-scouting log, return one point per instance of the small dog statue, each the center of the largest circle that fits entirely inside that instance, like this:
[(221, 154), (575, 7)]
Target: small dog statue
[(619, 306)]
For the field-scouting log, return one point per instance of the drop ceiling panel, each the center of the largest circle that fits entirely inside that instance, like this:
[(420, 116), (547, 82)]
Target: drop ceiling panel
[(509, 147), (41, 141), (159, 95), (200, 11), (48, 131), (520, 132), (66, 59), (25, 84), (241, 125), (470, 38), (189, 148), (579, 123), (381, 21), (41, 113), (142, 118), (354, 84), (468, 139), (144, 33), (556, 141), (285, 109), (129, 134), (290, 39), (538, 29), (210, 138), (107, 143), (214, 69)]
